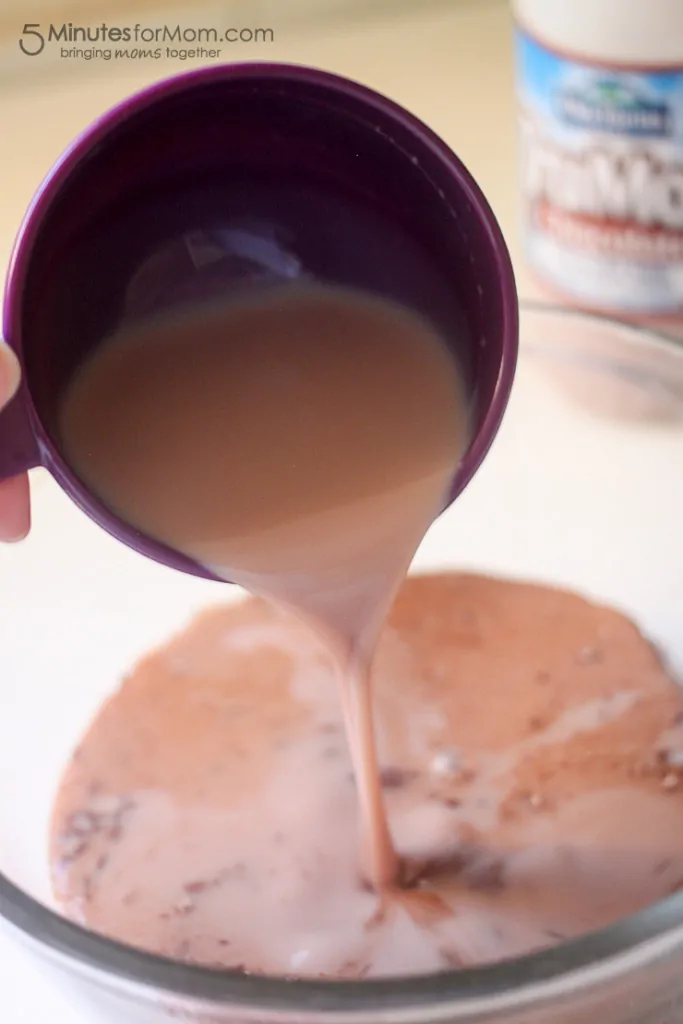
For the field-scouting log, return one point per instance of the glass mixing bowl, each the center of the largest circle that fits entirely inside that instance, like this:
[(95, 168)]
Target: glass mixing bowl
[(583, 488)]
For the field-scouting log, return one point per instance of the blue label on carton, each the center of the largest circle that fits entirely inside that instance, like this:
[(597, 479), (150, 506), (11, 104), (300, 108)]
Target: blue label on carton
[(602, 179)]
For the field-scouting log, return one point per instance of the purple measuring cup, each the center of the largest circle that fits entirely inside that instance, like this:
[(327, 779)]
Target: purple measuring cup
[(230, 176)]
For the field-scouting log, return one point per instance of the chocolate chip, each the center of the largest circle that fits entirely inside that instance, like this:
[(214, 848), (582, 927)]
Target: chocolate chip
[(450, 801), (447, 863), (395, 778), (192, 888)]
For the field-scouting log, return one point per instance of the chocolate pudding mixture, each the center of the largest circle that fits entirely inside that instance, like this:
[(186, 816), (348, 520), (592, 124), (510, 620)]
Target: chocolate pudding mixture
[(529, 746), (298, 442)]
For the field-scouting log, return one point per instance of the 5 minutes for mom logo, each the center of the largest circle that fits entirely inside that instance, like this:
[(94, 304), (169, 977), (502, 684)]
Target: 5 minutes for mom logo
[(611, 104), (34, 39)]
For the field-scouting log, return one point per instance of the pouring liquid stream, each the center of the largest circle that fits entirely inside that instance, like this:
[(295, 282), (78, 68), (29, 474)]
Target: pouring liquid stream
[(298, 441)]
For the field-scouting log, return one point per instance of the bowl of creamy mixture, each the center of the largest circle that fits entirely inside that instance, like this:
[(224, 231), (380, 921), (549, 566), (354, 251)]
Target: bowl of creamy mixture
[(182, 818)]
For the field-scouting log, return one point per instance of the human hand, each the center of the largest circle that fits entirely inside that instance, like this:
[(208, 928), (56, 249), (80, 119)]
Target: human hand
[(15, 516)]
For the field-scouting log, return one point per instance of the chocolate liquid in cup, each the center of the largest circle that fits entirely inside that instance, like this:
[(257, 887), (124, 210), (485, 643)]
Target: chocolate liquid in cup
[(298, 441)]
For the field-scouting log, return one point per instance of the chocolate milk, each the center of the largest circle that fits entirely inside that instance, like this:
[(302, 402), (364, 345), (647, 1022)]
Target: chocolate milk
[(298, 441)]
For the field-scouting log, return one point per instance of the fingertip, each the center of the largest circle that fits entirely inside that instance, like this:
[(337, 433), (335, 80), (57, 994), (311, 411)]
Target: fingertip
[(15, 509), (10, 373)]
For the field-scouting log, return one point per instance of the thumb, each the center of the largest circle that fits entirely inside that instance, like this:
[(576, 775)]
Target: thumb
[(10, 373)]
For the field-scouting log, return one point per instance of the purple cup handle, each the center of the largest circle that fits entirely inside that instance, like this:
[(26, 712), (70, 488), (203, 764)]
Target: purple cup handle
[(18, 446)]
